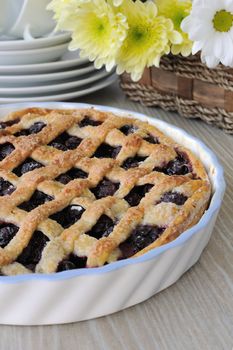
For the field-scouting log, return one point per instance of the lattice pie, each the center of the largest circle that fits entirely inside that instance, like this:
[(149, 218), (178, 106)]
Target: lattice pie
[(84, 188)]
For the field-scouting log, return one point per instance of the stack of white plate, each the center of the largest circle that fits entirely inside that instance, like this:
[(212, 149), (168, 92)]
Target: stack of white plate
[(43, 70)]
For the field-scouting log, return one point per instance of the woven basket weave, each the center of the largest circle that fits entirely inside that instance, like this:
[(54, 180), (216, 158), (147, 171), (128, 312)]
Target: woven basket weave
[(187, 86)]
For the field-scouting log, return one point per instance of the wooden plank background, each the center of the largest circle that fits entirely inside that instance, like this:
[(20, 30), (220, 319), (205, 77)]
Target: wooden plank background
[(196, 313)]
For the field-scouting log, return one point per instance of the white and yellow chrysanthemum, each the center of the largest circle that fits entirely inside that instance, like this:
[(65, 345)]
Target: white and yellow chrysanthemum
[(148, 38), (177, 10), (64, 12), (98, 29), (99, 33)]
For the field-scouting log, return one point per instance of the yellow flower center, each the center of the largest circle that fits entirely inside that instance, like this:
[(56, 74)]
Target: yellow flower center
[(223, 21), (100, 28), (137, 34)]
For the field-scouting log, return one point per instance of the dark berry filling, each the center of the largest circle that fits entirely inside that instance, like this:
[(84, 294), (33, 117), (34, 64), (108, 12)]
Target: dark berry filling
[(141, 237), (88, 121), (105, 188), (6, 149), (133, 162), (70, 175), (36, 199), (72, 262), (68, 216), (65, 142), (128, 129), (34, 129), (7, 232), (31, 255), (65, 265), (151, 139), (6, 187), (28, 165), (137, 193), (174, 197), (4, 125), (178, 166), (106, 151), (102, 228)]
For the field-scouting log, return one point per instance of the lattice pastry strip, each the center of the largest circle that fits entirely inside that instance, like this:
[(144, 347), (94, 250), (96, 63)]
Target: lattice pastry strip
[(84, 188)]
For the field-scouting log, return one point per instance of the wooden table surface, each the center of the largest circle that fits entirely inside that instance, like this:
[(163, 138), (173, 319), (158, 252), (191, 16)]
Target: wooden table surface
[(196, 313)]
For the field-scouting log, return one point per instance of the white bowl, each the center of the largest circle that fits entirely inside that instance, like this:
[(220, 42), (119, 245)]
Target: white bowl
[(9, 12), (34, 17), (24, 57), (83, 294)]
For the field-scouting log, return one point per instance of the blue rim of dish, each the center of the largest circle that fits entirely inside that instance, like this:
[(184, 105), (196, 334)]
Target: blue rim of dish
[(215, 203)]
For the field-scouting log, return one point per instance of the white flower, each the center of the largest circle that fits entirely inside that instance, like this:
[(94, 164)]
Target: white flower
[(210, 27)]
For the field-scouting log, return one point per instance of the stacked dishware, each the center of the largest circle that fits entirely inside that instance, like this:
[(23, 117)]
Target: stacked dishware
[(35, 64)]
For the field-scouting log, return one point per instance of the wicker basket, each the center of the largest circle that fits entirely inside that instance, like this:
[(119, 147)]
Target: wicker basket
[(187, 86)]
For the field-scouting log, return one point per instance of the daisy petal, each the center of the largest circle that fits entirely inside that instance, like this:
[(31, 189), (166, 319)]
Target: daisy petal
[(197, 46)]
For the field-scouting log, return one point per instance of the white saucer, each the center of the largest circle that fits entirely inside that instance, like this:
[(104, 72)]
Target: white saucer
[(40, 79), (68, 60), (56, 39), (25, 57), (44, 89), (65, 95)]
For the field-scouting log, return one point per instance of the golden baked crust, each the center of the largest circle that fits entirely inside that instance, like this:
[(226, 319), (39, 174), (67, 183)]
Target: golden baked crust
[(137, 143)]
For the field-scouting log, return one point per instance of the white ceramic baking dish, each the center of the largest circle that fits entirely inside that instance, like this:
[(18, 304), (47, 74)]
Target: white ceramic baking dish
[(88, 293)]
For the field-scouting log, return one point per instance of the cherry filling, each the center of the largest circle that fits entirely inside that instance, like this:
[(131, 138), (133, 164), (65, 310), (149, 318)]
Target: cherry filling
[(72, 262), (36, 199), (133, 162), (137, 193), (178, 166), (88, 121), (151, 139), (70, 175), (28, 165), (6, 187), (31, 255), (6, 149), (65, 142), (141, 237), (102, 228), (105, 188), (68, 216), (174, 197), (4, 125), (106, 151), (128, 129), (7, 232), (34, 129)]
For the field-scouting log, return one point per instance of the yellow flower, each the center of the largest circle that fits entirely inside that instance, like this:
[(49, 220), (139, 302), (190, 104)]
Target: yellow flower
[(64, 12), (148, 38), (177, 10), (98, 29)]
